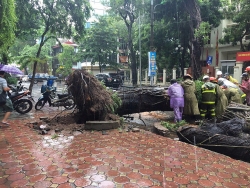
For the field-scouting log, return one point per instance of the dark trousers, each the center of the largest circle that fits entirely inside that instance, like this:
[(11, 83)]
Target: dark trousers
[(207, 110)]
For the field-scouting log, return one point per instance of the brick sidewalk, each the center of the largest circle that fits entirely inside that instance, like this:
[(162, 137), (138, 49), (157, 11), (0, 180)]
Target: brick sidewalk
[(121, 160)]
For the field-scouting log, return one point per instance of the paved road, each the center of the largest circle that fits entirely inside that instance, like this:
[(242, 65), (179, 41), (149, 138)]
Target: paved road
[(36, 93)]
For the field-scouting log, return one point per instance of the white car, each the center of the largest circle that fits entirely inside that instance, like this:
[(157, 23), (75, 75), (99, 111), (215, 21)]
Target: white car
[(25, 78)]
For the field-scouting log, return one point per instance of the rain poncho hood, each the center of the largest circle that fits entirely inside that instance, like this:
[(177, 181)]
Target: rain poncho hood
[(209, 85)]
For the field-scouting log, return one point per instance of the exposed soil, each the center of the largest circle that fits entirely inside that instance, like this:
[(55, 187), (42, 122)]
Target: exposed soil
[(65, 121)]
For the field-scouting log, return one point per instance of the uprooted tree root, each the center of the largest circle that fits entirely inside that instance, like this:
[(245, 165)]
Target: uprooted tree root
[(92, 99)]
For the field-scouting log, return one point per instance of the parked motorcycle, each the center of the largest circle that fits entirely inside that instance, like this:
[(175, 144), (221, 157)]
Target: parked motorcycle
[(18, 88), (20, 104), (64, 100)]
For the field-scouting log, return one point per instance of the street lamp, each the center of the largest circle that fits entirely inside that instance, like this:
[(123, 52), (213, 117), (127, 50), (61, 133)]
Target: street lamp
[(179, 49)]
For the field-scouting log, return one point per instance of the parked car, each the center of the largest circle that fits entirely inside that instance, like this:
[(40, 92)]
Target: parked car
[(25, 78), (40, 77), (110, 79)]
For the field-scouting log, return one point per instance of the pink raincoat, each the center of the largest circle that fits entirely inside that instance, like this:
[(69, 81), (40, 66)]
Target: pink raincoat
[(245, 87)]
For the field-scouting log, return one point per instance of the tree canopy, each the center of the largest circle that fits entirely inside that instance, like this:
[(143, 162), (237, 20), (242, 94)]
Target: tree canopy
[(7, 24), (100, 43), (238, 13)]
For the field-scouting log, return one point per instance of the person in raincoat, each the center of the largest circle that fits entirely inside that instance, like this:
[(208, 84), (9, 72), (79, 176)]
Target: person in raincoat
[(247, 70), (231, 79), (245, 87), (221, 102), (176, 93), (232, 94), (191, 109), (208, 93), (224, 81)]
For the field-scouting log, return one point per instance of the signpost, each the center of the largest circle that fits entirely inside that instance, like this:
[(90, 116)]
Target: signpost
[(209, 60), (151, 66)]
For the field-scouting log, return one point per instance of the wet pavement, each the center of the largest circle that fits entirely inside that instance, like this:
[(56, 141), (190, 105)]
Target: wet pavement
[(119, 159)]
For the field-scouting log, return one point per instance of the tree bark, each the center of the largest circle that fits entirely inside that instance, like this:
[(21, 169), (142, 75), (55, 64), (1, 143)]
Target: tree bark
[(143, 100)]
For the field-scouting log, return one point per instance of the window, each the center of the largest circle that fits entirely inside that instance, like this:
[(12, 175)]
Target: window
[(228, 67)]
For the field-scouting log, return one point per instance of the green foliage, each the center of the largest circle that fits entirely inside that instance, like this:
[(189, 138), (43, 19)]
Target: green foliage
[(117, 102), (54, 136), (198, 85), (173, 126), (11, 80), (238, 13), (66, 60), (203, 32), (7, 24), (100, 43)]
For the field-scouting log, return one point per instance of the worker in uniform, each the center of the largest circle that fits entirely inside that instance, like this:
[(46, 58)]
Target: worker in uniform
[(221, 102), (219, 75), (191, 109), (208, 94), (176, 93), (245, 87), (232, 94), (231, 79), (224, 81)]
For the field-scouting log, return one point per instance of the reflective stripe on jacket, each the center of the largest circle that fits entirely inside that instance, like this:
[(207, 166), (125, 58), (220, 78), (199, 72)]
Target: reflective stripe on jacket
[(208, 93)]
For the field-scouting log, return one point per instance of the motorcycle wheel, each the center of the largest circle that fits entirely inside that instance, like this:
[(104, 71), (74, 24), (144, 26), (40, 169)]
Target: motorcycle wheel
[(23, 106), (39, 105), (69, 103)]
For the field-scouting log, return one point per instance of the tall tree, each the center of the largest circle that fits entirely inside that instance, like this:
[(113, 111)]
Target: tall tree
[(100, 43), (238, 12), (129, 12), (59, 18), (66, 60), (7, 25)]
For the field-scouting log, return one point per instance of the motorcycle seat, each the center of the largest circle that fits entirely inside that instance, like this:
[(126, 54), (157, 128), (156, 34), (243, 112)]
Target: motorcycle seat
[(14, 94), (60, 96)]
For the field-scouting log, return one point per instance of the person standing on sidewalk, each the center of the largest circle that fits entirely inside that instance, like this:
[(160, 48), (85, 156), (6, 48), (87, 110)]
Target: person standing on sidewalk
[(208, 93), (8, 106), (191, 109), (176, 92), (245, 87), (222, 101)]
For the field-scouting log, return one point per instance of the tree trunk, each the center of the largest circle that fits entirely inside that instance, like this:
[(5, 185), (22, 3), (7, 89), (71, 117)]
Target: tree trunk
[(135, 100), (194, 12), (218, 143)]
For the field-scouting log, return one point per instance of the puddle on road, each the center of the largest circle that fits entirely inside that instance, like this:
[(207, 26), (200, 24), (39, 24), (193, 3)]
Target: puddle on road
[(60, 142), (148, 119)]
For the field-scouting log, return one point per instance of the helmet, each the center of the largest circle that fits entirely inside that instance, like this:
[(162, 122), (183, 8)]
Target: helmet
[(205, 77), (213, 79), (244, 74), (187, 76), (226, 74), (247, 68), (220, 81), (219, 73)]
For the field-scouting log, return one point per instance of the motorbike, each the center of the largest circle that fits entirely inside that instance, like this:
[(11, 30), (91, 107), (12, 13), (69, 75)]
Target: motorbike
[(20, 104), (18, 88), (65, 100)]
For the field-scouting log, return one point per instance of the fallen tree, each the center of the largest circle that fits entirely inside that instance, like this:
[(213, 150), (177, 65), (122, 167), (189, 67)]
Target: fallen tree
[(227, 137), (95, 102), (135, 100)]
